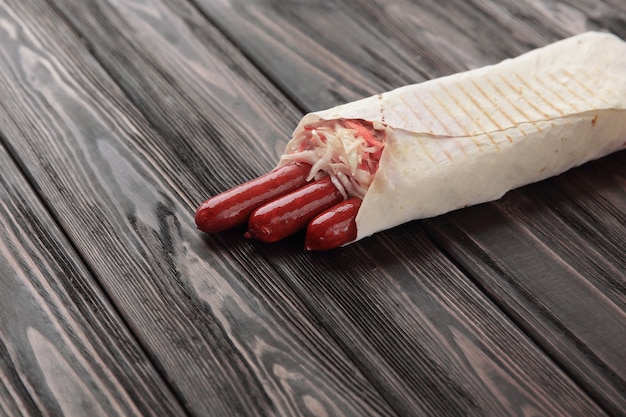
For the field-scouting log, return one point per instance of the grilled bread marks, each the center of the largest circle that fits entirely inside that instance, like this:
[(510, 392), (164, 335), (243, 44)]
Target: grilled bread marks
[(585, 71), (475, 105)]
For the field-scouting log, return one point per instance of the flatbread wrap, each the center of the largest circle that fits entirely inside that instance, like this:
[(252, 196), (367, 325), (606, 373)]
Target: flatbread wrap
[(468, 138)]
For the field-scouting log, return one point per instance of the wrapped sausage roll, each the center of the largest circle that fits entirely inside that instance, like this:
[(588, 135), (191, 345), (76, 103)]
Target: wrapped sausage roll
[(429, 148)]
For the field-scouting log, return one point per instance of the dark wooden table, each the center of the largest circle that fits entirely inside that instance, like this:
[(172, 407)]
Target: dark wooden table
[(117, 118)]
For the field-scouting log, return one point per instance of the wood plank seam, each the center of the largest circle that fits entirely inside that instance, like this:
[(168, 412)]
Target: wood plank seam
[(523, 324)]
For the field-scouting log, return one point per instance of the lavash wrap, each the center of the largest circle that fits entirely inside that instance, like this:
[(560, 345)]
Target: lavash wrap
[(470, 137)]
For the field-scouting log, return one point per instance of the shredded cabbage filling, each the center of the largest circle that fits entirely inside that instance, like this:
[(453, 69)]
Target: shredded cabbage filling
[(347, 150)]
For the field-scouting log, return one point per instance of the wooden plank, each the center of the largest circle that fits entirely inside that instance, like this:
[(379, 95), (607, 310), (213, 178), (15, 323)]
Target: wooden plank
[(355, 49), (64, 350), (563, 258), (432, 342), (432, 39), (416, 374), (229, 335)]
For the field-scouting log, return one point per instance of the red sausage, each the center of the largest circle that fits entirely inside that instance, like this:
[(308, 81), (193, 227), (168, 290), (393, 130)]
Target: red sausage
[(233, 207), (334, 227), (288, 214)]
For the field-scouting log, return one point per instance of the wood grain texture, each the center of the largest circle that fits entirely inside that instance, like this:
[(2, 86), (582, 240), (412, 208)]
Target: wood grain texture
[(64, 350), (397, 379), (556, 264), (230, 337), (385, 327), (143, 44), (432, 342), (363, 47)]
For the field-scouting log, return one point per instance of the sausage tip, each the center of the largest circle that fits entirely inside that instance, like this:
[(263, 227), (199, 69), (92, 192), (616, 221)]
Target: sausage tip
[(233, 207), (333, 228)]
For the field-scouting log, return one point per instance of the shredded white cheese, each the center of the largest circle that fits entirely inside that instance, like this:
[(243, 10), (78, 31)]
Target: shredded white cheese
[(334, 149)]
